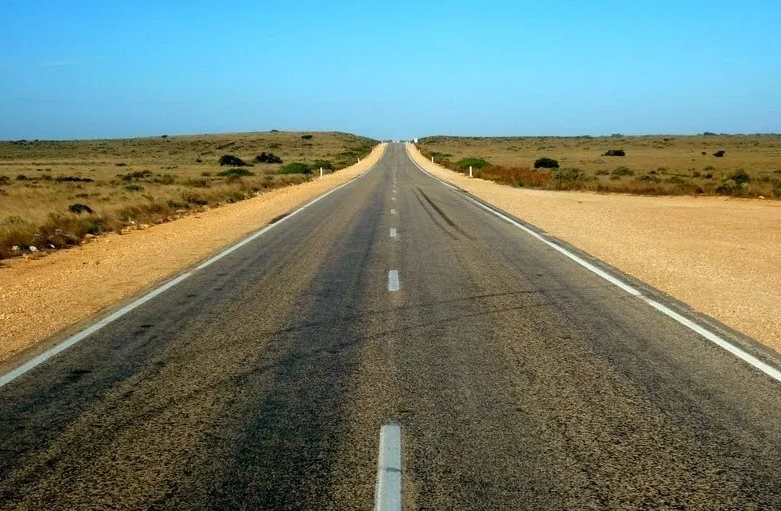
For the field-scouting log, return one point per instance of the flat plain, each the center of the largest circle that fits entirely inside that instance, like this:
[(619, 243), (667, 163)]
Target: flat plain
[(748, 165), (53, 193)]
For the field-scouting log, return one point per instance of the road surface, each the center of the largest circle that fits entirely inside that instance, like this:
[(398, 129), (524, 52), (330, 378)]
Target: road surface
[(521, 380)]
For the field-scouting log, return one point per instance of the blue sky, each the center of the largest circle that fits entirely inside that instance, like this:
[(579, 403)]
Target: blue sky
[(91, 69)]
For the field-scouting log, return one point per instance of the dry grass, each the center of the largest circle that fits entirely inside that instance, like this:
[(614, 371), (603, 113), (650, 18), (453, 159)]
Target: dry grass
[(45, 185), (653, 165)]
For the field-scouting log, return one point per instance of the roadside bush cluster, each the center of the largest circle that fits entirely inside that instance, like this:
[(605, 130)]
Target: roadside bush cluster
[(295, 168), (267, 158), (232, 161), (475, 163)]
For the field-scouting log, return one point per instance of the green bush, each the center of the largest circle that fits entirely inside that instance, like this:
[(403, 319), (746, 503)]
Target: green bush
[(614, 152), (235, 172), (307, 137), (295, 168), (324, 164), (719, 154), (569, 174), (740, 176), (475, 163), (546, 163)]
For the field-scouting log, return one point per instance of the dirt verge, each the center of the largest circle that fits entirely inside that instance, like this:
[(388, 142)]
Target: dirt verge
[(41, 297), (721, 256)]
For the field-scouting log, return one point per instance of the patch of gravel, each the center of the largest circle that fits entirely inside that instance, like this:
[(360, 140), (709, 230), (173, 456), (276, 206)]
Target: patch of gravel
[(721, 256), (44, 296)]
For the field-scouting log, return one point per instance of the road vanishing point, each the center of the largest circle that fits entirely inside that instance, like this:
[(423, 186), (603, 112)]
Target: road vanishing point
[(514, 376)]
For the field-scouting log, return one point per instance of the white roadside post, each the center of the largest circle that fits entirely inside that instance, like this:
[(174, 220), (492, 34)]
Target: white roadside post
[(321, 172), (470, 171), (432, 159)]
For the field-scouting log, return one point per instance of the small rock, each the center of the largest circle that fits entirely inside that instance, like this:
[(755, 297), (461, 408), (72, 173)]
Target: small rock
[(51, 246), (761, 197), (33, 249), (89, 236), (15, 248)]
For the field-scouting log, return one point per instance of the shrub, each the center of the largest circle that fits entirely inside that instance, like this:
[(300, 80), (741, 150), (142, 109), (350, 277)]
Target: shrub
[(324, 164), (79, 208), (235, 197), (307, 137), (622, 171), (136, 175), (614, 152), (475, 163), (267, 158), (719, 154), (648, 178), (295, 168), (194, 198), (569, 174), (730, 187), (233, 161), (546, 163), (235, 172), (740, 176)]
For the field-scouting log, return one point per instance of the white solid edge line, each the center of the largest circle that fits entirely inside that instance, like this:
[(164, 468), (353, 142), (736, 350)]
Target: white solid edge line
[(707, 334), (387, 492), (393, 211), (70, 341), (393, 281), (392, 232)]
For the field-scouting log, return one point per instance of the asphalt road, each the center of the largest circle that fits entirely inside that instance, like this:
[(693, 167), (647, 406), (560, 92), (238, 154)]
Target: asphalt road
[(521, 380)]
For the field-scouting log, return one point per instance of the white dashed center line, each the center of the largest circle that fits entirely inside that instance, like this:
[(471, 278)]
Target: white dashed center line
[(392, 232), (387, 493), (393, 281)]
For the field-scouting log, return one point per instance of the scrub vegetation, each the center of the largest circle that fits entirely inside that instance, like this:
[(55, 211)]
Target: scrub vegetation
[(54, 194), (707, 164)]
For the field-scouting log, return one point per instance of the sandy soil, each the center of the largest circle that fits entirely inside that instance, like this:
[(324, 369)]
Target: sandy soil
[(721, 256), (41, 297)]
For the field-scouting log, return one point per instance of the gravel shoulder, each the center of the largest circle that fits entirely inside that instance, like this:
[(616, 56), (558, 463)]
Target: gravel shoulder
[(719, 255), (40, 298)]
